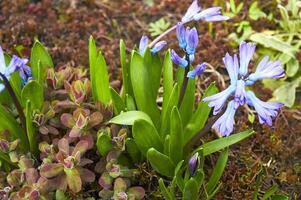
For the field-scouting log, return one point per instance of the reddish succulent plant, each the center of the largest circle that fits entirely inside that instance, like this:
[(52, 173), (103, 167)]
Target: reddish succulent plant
[(68, 168)]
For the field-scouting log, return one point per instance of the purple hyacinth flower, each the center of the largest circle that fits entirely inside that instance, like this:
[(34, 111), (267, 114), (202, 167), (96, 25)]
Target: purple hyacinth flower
[(267, 69), (143, 44), (246, 52), (15, 64), (218, 100), (211, 15), (181, 35), (240, 94), (158, 47), (232, 66), (176, 59), (266, 111), (197, 71), (193, 164), (193, 9), (224, 125), (192, 39)]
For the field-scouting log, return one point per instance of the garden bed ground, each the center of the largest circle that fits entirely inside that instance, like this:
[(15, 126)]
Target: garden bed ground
[(65, 29)]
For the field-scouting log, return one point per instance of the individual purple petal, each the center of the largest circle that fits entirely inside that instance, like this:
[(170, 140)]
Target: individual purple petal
[(192, 164), (240, 94), (191, 58), (210, 15), (192, 40), (266, 111), (246, 51), (158, 47), (143, 44), (176, 59), (218, 100), (181, 35), (267, 69), (197, 71), (231, 64), (2, 61), (193, 9), (224, 125), (217, 18)]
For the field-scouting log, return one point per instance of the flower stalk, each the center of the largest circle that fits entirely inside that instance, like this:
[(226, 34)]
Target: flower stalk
[(185, 82), (15, 101)]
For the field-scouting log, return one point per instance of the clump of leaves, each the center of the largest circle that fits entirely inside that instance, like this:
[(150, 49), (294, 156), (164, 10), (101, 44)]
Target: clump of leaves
[(67, 168), (284, 44), (158, 27)]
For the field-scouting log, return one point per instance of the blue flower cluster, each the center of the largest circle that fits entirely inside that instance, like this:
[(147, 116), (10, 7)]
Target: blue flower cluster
[(16, 64), (238, 72)]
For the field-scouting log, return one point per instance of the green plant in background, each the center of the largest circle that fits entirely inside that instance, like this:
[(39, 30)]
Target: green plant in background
[(233, 9), (158, 27), (284, 43)]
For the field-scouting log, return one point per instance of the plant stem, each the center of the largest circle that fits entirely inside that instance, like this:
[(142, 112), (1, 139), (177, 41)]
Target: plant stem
[(185, 82), (157, 39), (193, 141), (16, 102)]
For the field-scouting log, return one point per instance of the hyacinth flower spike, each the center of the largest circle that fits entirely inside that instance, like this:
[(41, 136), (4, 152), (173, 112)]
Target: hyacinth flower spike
[(144, 43), (238, 72)]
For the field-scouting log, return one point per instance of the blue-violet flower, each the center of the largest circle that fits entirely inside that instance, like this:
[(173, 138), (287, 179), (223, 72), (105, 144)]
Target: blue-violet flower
[(144, 43), (238, 73)]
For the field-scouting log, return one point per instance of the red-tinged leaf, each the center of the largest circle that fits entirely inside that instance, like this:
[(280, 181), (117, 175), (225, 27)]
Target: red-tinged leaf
[(81, 146), (63, 146), (67, 120), (87, 175), (31, 175), (50, 170), (105, 181), (95, 119), (73, 180), (136, 193)]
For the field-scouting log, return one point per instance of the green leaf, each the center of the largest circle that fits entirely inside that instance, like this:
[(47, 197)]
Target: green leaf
[(280, 197), (39, 54), (217, 171), (287, 93), (221, 143), (128, 118), (117, 102), (191, 190), (130, 102), (292, 67), (258, 184), (133, 150), (4, 158), (166, 145), (34, 92), (160, 162), (8, 122), (179, 174), (254, 12), (199, 118), (176, 137), (166, 194), (143, 90), (165, 116), (146, 136), (98, 75), (158, 27), (269, 41), (104, 143), (153, 65), (125, 69), (60, 195), (167, 78), (31, 132), (270, 192)]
